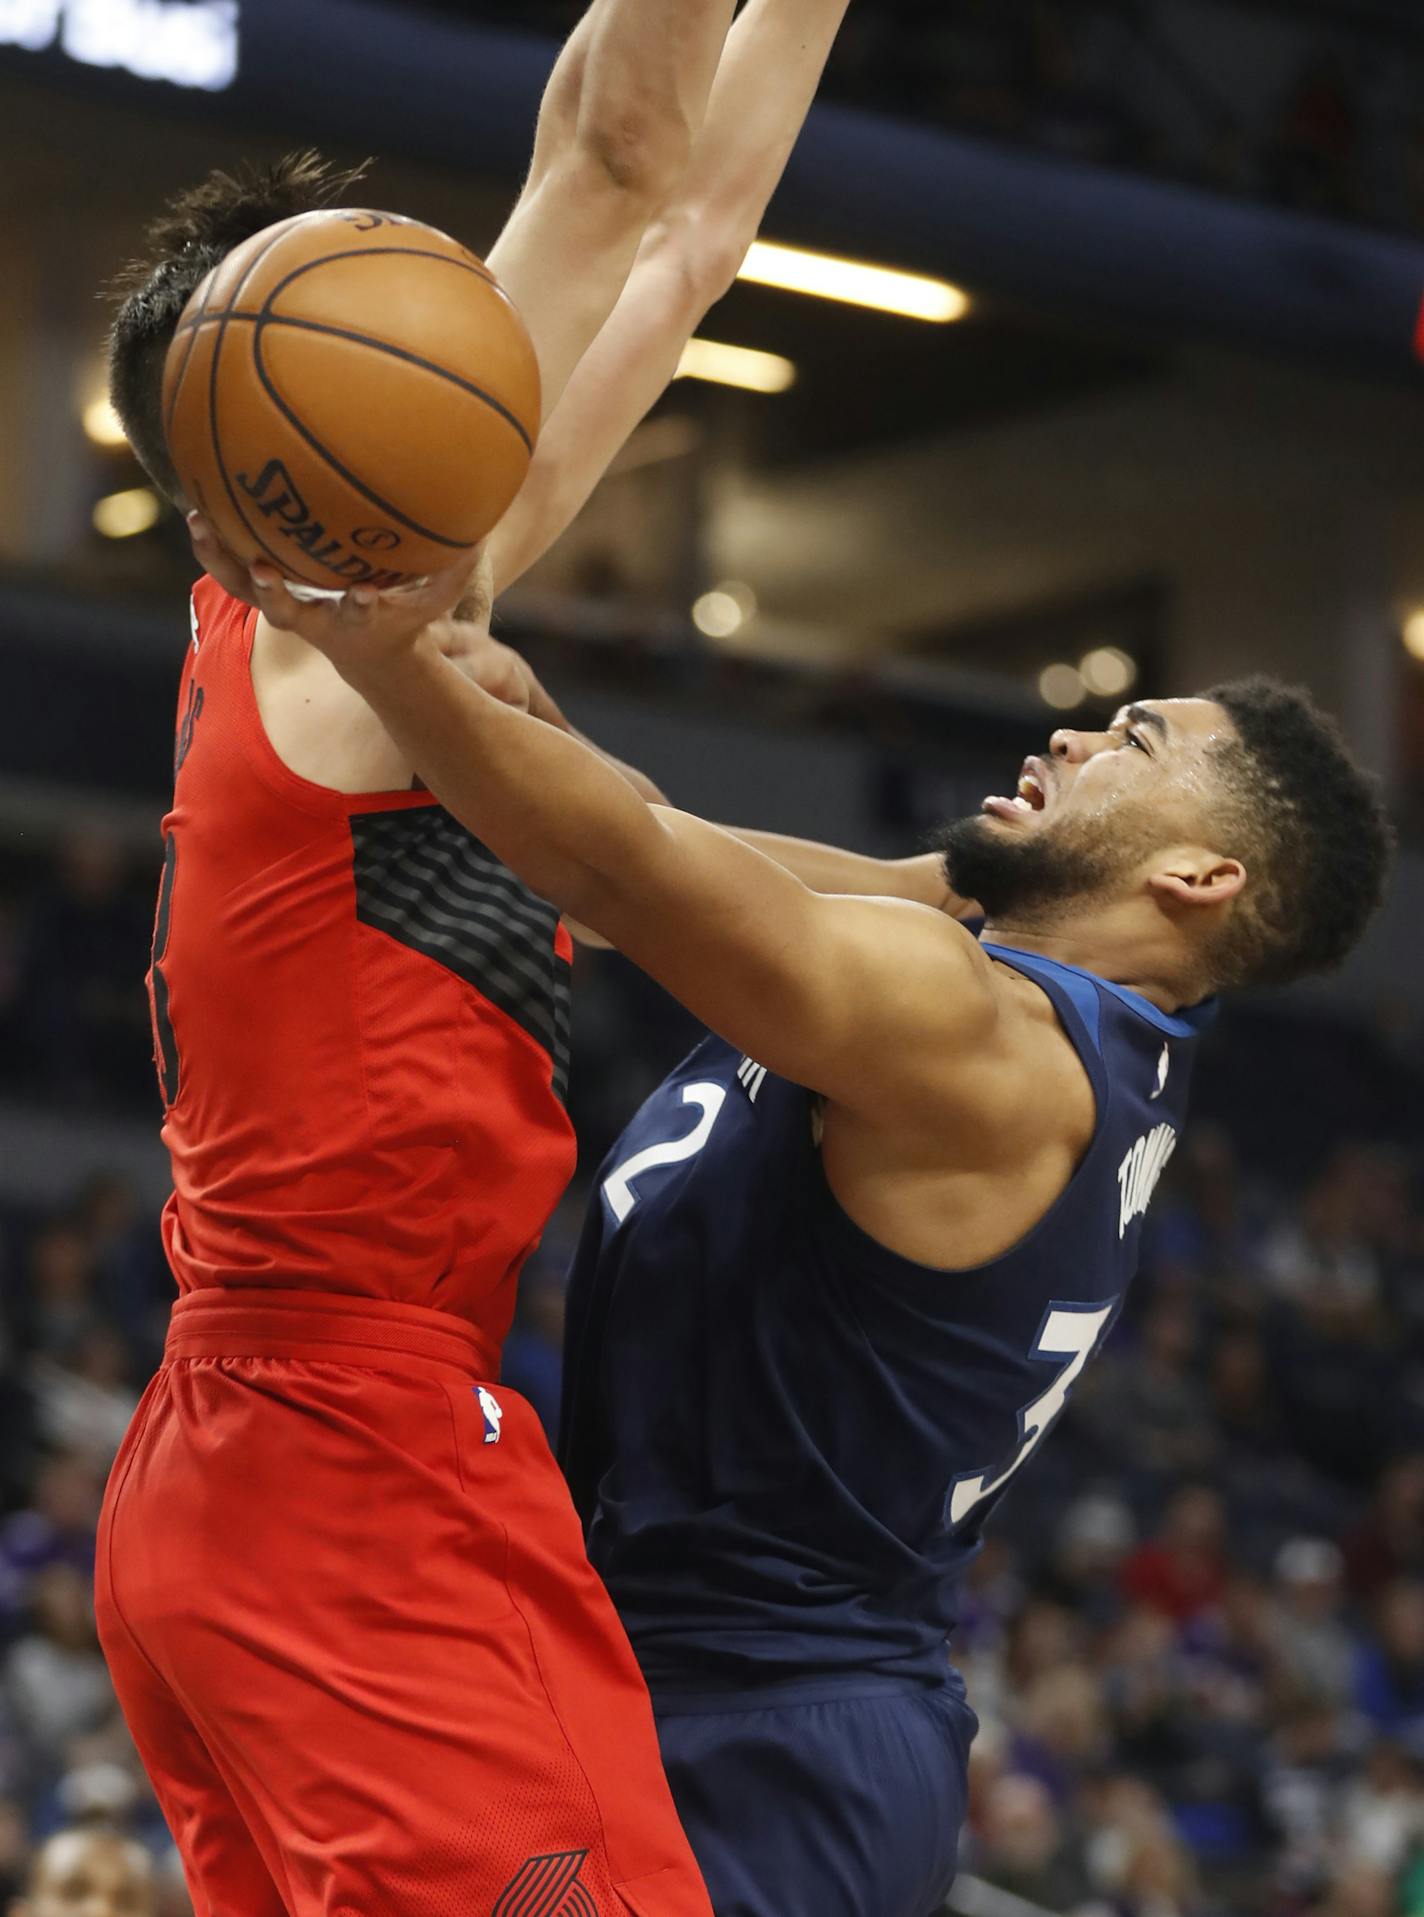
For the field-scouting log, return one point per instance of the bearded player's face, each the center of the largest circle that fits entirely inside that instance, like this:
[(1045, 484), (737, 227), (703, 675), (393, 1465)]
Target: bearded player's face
[(1090, 814)]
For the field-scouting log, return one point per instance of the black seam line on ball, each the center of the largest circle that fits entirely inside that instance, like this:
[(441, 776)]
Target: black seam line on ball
[(264, 319), (384, 252), (353, 253), (324, 452), (396, 352), (279, 560), (193, 326)]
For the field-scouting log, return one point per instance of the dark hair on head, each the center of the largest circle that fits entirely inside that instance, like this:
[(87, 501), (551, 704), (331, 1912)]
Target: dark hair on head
[(1309, 826), (193, 234)]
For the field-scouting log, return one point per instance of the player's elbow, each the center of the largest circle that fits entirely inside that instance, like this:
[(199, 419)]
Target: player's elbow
[(700, 252), (638, 149)]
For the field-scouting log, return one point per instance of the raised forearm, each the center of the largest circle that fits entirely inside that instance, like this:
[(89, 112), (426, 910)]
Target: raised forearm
[(830, 868), (824, 868), (543, 706), (775, 56), (623, 107), (688, 258)]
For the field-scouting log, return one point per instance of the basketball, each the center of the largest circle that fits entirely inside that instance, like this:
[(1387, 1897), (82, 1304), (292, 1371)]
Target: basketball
[(352, 397)]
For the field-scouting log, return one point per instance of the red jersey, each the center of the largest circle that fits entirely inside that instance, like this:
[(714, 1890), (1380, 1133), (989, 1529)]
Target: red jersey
[(360, 1024)]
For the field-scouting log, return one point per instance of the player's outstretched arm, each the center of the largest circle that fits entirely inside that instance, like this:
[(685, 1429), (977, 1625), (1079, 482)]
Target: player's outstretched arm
[(824, 868), (689, 257), (828, 868), (616, 131), (866, 1000), (831, 868)]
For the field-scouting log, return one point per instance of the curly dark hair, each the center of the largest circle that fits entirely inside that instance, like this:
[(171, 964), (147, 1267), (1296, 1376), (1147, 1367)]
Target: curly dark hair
[(1309, 826), (195, 231)]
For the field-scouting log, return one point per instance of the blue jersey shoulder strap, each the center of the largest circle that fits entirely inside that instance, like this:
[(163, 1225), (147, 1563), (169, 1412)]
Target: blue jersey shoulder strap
[(1082, 989)]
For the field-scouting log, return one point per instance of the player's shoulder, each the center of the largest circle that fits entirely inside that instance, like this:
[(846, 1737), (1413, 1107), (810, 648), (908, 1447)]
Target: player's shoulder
[(962, 976), (911, 984), (927, 969), (919, 932), (918, 1000), (986, 1074), (1010, 1058), (1040, 1071)]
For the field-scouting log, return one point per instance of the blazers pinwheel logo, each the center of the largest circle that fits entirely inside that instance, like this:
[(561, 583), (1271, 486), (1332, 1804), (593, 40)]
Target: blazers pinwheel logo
[(547, 1887)]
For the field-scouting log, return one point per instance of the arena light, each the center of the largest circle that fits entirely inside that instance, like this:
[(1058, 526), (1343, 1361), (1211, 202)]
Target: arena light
[(188, 43), (1061, 686), (721, 613), (740, 366), (1413, 635), (1108, 671), (102, 424), (122, 515), (884, 289)]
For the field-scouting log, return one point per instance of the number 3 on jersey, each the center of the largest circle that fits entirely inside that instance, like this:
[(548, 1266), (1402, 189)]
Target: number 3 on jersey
[(618, 1186), (165, 1045), (1069, 1331)]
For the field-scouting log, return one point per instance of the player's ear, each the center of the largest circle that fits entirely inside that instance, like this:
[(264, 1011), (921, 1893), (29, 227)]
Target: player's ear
[(1191, 876)]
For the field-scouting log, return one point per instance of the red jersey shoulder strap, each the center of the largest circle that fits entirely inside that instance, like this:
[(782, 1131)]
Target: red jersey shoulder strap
[(220, 658)]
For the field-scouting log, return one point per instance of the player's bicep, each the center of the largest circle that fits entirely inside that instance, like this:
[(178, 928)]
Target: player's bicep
[(856, 998)]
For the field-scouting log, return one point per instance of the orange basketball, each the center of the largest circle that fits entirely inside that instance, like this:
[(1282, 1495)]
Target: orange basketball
[(351, 396)]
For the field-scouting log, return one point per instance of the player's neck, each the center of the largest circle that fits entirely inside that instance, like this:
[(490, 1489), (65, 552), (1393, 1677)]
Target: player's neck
[(1102, 948)]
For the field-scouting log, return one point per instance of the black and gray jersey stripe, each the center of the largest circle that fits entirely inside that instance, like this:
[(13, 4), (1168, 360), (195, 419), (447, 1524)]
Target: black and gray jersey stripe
[(432, 886)]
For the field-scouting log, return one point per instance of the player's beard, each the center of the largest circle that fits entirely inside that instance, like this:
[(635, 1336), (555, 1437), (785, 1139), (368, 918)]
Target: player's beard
[(1056, 870)]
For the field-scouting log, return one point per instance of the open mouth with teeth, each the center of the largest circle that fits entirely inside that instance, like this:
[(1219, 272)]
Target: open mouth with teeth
[(1030, 797)]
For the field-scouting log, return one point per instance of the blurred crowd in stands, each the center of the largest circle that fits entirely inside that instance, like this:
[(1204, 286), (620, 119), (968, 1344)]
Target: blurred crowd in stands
[(1195, 1636), (1072, 78)]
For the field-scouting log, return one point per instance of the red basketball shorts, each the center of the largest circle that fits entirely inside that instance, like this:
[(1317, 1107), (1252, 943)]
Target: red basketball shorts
[(345, 1602)]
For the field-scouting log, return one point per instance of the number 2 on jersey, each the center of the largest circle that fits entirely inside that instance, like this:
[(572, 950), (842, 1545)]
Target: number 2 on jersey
[(1071, 1332), (618, 1186)]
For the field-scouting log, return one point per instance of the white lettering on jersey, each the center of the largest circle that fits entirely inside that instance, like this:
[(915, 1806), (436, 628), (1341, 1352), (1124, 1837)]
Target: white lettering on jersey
[(618, 1186), (1071, 1332), (1138, 1173), (751, 1077)]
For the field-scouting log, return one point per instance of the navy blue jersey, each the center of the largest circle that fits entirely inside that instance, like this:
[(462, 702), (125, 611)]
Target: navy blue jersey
[(783, 1438)]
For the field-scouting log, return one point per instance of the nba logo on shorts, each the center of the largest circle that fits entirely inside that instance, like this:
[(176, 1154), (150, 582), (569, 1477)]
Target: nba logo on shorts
[(494, 1413)]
